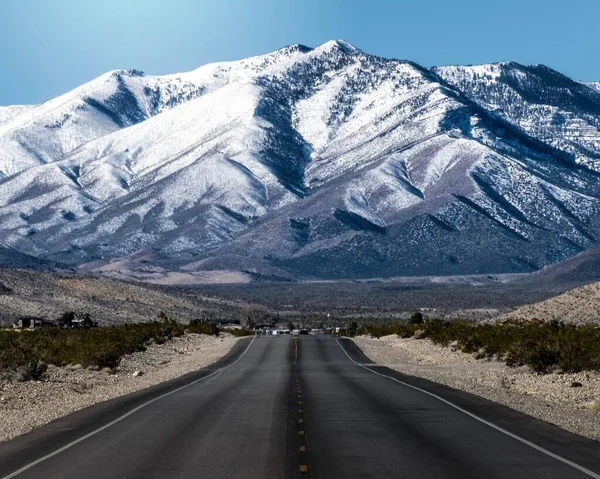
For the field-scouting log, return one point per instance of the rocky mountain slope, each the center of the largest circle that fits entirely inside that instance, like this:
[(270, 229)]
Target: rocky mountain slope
[(108, 301), (580, 305), (306, 163)]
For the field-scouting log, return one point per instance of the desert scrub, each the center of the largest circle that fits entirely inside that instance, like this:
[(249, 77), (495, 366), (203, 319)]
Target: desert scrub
[(24, 354), (543, 346), (238, 333)]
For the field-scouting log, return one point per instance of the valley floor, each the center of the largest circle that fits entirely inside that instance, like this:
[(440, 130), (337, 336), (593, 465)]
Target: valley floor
[(550, 397), (27, 405)]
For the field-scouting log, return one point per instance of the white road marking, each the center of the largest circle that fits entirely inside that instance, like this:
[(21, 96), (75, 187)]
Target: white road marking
[(487, 423), (112, 423)]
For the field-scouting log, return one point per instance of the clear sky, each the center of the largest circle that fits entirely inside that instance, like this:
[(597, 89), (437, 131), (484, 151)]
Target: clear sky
[(48, 47)]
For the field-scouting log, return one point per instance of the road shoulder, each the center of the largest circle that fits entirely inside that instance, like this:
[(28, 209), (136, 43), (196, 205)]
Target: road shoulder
[(579, 449), (64, 430)]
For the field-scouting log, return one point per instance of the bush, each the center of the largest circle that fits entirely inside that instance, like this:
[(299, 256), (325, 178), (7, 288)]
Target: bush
[(351, 329), (416, 318), (26, 353), (203, 328), (32, 370), (543, 346), (238, 333)]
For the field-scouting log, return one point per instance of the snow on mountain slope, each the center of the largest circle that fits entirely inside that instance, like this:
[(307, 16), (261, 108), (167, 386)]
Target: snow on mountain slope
[(45, 133), (592, 85), (542, 102), (325, 162), (217, 75), (9, 112)]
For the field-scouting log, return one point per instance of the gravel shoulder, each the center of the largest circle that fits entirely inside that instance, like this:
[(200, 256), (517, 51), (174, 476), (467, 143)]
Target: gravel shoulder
[(550, 397), (27, 405)]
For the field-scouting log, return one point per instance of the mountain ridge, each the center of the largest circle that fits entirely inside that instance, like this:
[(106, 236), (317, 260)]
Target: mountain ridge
[(307, 163)]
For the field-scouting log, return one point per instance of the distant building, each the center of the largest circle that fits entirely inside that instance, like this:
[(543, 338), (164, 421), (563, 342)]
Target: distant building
[(32, 322)]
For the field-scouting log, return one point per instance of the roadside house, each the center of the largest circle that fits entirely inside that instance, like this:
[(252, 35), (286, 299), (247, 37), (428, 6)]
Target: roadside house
[(32, 322)]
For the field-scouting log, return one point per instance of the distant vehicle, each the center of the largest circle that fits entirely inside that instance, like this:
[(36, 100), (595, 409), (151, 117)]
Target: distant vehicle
[(316, 331), (295, 332), (303, 332)]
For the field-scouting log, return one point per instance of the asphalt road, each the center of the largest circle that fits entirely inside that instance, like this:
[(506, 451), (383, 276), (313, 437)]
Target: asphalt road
[(307, 407)]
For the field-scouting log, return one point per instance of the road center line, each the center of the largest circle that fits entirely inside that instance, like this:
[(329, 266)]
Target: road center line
[(119, 419), (487, 423)]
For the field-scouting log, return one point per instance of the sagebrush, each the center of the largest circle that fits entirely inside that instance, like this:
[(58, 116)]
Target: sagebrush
[(102, 347), (543, 346)]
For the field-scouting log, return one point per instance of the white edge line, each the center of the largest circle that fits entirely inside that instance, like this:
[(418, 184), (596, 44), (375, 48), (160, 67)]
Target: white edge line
[(487, 423), (112, 423)]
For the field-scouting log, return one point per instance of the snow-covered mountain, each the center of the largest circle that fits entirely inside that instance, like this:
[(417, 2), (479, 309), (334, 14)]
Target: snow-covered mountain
[(307, 163), (592, 85)]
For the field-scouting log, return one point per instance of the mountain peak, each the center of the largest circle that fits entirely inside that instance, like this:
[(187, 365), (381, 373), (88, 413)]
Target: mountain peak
[(339, 44), (307, 163), (294, 48)]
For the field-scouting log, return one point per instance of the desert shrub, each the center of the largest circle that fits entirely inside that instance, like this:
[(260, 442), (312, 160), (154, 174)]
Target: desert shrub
[(416, 318), (27, 352), (204, 328), (237, 332), (352, 329), (543, 346), (31, 370), (403, 330)]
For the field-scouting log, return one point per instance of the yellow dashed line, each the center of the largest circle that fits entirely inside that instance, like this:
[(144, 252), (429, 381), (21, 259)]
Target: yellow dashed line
[(302, 448)]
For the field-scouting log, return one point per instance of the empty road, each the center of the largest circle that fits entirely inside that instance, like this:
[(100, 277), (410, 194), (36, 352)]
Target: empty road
[(308, 407)]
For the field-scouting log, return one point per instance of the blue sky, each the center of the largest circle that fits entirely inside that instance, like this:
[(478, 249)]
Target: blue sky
[(48, 47)]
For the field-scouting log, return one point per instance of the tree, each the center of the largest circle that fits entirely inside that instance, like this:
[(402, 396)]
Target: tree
[(67, 319), (352, 328), (253, 315), (162, 316), (416, 318), (87, 321)]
